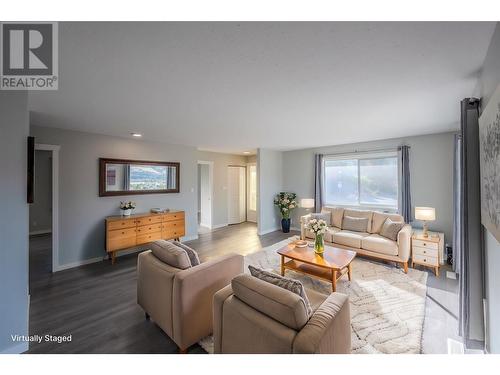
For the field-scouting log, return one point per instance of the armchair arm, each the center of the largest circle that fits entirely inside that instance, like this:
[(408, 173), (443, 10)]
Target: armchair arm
[(329, 329), (219, 298), (404, 242), (193, 293), (303, 222)]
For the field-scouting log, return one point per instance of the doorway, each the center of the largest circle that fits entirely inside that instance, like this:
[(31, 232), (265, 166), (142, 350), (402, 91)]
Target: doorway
[(44, 214), (236, 194), (205, 196), (252, 192)]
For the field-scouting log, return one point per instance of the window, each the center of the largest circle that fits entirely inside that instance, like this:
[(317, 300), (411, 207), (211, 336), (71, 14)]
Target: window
[(362, 180)]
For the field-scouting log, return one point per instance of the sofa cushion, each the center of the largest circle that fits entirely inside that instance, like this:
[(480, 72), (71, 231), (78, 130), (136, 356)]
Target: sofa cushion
[(316, 299), (280, 304), (310, 234), (379, 219), (171, 254), (326, 216), (294, 286), (328, 236), (337, 216), (355, 224), (360, 213), (192, 254), (348, 238), (379, 244), (390, 229)]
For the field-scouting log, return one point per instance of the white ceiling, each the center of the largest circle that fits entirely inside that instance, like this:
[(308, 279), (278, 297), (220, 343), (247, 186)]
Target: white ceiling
[(232, 87)]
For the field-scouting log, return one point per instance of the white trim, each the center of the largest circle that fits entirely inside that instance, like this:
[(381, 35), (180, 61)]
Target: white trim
[(16, 349), (78, 264), (217, 226), (189, 238), (266, 231), (211, 189), (42, 231), (55, 201), (250, 212)]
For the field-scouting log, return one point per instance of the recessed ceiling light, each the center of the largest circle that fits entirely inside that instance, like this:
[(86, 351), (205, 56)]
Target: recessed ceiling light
[(138, 135), (246, 152)]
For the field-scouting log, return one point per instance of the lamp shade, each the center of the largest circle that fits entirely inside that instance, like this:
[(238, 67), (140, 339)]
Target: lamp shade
[(425, 213), (307, 203)]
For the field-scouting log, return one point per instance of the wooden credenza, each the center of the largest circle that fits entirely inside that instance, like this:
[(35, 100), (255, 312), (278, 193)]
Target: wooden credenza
[(124, 232)]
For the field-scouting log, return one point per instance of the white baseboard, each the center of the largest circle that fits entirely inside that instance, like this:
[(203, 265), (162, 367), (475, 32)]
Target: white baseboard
[(16, 349), (217, 226), (62, 267), (295, 228), (189, 238), (266, 231), (42, 231)]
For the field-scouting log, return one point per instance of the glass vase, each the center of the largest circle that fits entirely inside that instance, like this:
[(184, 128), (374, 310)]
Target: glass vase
[(319, 244)]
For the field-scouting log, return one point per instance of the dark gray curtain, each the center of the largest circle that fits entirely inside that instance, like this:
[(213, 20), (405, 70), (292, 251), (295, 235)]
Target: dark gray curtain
[(471, 291), (318, 182), (457, 206), (404, 158)]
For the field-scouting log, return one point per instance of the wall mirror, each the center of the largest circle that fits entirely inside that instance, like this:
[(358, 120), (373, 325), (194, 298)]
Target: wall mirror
[(133, 177)]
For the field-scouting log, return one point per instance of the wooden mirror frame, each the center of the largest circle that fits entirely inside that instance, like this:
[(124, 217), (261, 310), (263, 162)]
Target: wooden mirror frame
[(102, 177)]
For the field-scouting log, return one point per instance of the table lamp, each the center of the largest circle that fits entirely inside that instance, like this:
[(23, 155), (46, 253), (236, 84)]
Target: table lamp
[(307, 203), (425, 214)]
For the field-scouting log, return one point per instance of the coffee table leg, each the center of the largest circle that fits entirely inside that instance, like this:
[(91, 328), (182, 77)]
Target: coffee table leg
[(282, 265), (334, 281), (349, 272)]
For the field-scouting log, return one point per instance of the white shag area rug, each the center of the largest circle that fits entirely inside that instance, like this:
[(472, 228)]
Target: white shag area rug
[(387, 305)]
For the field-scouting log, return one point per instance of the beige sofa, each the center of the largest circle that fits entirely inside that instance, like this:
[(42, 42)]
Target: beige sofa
[(369, 243), (254, 316), (180, 300)]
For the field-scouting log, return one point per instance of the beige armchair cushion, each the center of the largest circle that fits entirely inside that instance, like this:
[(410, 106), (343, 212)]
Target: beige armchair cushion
[(192, 254), (329, 233), (280, 304), (379, 244), (360, 213), (348, 238), (379, 219), (170, 254)]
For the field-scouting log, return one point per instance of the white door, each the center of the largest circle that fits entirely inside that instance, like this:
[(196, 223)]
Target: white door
[(236, 195), (205, 196), (252, 192)]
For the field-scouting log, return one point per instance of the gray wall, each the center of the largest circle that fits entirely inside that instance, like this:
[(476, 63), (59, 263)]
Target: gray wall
[(82, 211), (40, 216), (431, 169), (14, 128), (270, 182), (489, 80), (221, 162)]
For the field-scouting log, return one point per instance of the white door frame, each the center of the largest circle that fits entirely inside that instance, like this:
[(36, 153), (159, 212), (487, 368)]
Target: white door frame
[(55, 201), (248, 191), (210, 189)]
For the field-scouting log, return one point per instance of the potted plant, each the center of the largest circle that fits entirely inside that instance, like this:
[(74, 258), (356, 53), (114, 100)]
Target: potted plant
[(318, 227), (127, 207), (286, 203)]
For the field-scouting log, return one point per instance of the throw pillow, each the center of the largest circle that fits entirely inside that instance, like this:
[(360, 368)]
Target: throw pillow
[(356, 224), (390, 229), (192, 254), (292, 285), (168, 253), (326, 216)]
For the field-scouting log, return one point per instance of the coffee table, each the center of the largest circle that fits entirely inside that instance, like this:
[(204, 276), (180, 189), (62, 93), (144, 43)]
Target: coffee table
[(329, 266)]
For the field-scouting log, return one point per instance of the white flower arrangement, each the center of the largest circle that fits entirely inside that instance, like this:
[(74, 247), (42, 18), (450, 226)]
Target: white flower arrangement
[(317, 226), (127, 205), (286, 203)]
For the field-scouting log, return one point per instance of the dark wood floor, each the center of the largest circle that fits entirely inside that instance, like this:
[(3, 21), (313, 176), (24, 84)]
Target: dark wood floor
[(96, 303)]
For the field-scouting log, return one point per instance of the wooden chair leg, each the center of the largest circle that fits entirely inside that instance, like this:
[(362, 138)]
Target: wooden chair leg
[(405, 266), (183, 351)]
